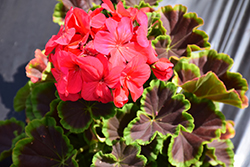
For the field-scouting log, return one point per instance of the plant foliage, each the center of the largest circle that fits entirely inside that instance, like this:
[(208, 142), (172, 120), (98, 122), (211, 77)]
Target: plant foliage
[(122, 84)]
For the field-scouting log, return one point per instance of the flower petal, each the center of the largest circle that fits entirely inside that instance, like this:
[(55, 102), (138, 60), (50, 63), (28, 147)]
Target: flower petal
[(136, 93), (66, 36), (104, 42), (120, 96), (74, 82), (121, 10), (111, 25), (142, 36), (107, 4), (98, 20), (92, 68), (124, 30), (103, 93), (113, 78), (87, 90)]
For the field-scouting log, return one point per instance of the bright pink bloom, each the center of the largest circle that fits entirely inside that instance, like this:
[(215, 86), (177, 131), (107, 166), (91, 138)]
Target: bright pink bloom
[(107, 4), (77, 22), (61, 77), (149, 53), (90, 50), (163, 69), (135, 74), (116, 42), (78, 19), (104, 59), (120, 96), (77, 45), (142, 30), (51, 44), (36, 66), (142, 36), (98, 80), (65, 36), (97, 19), (68, 74), (120, 10)]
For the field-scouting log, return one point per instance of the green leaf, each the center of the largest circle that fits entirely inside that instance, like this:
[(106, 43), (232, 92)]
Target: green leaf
[(35, 99), (22, 95), (221, 152), (187, 147), (152, 149), (209, 86), (113, 128), (210, 60), (59, 13), (206, 74), (28, 111), (234, 81), (41, 97), (122, 155), (185, 72), (163, 112), (136, 3), (54, 113), (181, 32), (162, 160), (46, 145), (9, 131), (77, 116), (155, 27)]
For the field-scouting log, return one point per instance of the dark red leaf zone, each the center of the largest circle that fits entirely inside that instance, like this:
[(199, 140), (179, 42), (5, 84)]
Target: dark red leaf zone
[(163, 112), (113, 128), (182, 33), (9, 129), (47, 146), (41, 97), (77, 116), (222, 152), (187, 147), (122, 155)]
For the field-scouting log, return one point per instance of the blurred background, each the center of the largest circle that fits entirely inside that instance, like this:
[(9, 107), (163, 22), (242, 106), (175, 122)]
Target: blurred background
[(27, 25)]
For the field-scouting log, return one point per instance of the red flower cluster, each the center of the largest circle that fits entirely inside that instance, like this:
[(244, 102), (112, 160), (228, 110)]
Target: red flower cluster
[(101, 58)]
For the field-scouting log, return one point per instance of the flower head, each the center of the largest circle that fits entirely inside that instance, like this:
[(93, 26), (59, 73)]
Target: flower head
[(36, 66)]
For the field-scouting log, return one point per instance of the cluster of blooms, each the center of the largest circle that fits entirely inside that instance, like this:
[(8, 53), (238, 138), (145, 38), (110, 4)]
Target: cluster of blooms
[(101, 58), (36, 67)]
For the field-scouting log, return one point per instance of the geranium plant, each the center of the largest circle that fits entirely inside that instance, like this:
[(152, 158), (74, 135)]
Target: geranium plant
[(125, 85)]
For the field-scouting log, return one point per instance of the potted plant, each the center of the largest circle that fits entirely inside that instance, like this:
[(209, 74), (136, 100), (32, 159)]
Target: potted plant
[(125, 85)]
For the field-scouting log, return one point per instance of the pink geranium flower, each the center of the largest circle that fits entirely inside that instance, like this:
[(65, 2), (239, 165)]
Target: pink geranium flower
[(162, 69), (116, 41), (36, 66), (100, 58), (98, 79), (68, 74), (120, 96), (77, 23), (135, 74)]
